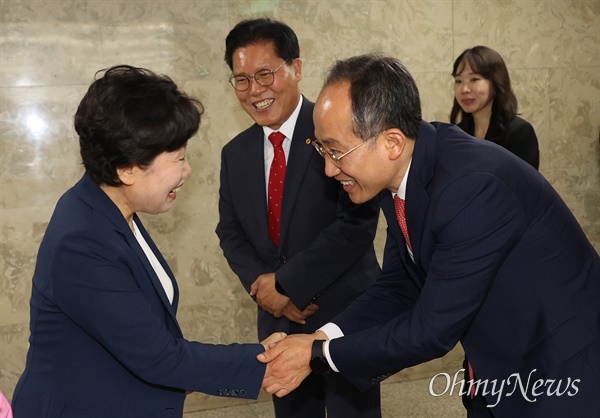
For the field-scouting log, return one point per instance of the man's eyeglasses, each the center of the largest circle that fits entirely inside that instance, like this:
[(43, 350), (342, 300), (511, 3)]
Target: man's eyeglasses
[(335, 159), (263, 77)]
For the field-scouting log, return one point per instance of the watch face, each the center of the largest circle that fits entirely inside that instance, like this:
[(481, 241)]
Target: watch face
[(319, 365)]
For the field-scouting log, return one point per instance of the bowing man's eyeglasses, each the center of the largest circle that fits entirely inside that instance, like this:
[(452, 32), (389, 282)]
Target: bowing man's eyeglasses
[(333, 155), (264, 77)]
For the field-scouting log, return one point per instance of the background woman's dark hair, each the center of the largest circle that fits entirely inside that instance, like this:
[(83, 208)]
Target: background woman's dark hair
[(128, 117), (490, 65), (254, 31), (384, 95)]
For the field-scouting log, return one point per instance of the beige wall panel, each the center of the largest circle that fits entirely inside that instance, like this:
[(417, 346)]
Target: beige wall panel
[(50, 50)]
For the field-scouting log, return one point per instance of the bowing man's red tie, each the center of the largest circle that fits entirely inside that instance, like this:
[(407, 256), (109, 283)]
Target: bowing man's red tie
[(400, 204), (275, 192)]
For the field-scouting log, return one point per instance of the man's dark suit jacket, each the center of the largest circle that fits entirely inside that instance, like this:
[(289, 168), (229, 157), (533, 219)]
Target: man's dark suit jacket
[(326, 252), (104, 341), (501, 265), (519, 138)]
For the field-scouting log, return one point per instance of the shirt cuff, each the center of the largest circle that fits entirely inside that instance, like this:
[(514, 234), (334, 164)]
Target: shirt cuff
[(332, 331)]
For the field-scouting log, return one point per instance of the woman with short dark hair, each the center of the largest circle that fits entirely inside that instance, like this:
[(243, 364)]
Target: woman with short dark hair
[(105, 342)]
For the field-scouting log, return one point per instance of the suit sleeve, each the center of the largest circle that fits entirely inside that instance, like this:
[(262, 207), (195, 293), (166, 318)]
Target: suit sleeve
[(332, 253), (476, 221), (95, 286), (241, 255), (394, 291)]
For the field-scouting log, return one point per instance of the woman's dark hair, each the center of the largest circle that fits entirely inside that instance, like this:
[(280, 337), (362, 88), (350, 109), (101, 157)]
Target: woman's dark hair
[(255, 31), (490, 65), (128, 117), (383, 93)]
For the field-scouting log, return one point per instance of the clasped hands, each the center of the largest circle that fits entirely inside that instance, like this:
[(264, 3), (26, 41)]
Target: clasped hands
[(278, 305), (287, 361)]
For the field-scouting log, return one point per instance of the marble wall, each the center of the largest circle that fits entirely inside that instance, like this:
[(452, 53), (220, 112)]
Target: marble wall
[(50, 50)]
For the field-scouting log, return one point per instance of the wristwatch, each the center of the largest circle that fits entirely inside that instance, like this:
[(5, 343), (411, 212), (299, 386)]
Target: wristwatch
[(318, 362)]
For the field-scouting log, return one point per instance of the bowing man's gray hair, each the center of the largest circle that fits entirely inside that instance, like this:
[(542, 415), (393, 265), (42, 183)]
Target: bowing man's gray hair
[(384, 95)]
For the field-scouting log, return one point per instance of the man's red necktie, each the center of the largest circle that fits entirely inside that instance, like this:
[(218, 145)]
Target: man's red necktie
[(276, 178), (399, 204), (471, 379)]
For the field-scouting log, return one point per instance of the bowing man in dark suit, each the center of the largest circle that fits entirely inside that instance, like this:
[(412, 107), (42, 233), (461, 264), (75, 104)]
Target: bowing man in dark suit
[(304, 252), (105, 342), (480, 250)]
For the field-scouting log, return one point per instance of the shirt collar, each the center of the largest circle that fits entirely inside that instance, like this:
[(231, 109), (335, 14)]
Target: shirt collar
[(287, 128), (402, 189)]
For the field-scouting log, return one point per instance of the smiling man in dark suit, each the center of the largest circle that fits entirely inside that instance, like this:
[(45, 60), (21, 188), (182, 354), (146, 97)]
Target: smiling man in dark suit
[(481, 250), (300, 247)]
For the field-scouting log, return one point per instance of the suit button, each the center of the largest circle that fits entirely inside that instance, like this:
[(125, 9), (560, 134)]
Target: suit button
[(283, 259), (234, 392)]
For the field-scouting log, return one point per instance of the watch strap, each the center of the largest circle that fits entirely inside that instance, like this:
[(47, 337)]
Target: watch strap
[(318, 361)]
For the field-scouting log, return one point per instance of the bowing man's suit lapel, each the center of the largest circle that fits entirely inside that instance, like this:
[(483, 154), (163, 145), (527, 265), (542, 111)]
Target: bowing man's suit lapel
[(417, 203), (417, 198), (387, 205)]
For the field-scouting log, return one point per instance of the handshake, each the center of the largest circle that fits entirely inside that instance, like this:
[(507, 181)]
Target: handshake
[(287, 358)]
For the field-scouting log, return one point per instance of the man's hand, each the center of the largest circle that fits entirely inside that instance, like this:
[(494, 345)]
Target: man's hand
[(272, 339), (277, 304), (294, 314), (267, 296), (288, 363)]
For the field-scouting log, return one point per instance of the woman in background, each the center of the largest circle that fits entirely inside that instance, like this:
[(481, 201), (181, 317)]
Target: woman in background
[(105, 342), (487, 105)]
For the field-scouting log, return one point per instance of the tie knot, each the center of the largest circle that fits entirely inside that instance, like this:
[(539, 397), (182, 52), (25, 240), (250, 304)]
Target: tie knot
[(399, 202), (276, 138)]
